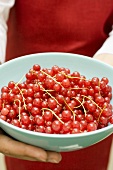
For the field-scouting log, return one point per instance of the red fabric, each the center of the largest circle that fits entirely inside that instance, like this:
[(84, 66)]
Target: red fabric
[(79, 26), (92, 158), (53, 25)]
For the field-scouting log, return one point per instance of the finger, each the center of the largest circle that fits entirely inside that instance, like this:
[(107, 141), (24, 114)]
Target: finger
[(20, 150), (16, 149), (53, 157)]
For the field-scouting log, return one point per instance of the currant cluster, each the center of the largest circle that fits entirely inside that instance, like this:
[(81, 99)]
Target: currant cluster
[(56, 101)]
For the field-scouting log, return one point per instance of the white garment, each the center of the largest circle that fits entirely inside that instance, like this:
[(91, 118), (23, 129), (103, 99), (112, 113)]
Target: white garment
[(5, 6)]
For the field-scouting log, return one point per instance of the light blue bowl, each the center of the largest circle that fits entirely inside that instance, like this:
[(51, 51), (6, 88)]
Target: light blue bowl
[(16, 68)]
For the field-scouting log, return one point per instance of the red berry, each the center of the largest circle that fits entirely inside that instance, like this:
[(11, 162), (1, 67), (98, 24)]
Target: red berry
[(91, 127)]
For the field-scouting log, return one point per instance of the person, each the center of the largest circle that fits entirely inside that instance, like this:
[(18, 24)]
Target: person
[(80, 27)]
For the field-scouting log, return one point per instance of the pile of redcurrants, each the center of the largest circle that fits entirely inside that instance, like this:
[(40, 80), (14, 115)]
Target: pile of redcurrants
[(56, 101)]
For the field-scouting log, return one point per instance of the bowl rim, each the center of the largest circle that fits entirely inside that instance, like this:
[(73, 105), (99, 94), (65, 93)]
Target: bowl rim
[(57, 53), (84, 134)]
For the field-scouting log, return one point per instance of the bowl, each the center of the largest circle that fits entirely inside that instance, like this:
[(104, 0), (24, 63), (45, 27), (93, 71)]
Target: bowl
[(16, 68)]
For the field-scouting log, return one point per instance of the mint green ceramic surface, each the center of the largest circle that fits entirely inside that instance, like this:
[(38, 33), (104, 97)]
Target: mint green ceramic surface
[(15, 69)]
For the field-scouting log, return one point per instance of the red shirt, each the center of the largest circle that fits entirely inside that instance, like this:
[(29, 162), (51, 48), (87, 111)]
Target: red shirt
[(80, 27)]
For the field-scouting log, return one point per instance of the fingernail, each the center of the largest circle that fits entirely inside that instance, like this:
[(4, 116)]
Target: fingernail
[(53, 161)]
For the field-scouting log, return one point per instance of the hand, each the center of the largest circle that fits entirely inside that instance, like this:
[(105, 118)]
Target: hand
[(105, 57), (16, 149)]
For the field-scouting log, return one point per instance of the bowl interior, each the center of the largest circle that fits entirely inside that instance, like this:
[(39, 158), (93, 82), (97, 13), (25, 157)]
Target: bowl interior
[(17, 68)]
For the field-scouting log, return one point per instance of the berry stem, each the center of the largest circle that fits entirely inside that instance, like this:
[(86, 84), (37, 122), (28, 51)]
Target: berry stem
[(70, 109), (100, 114), (20, 80), (48, 93), (19, 107), (81, 104), (93, 102), (51, 77), (22, 98), (53, 114)]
